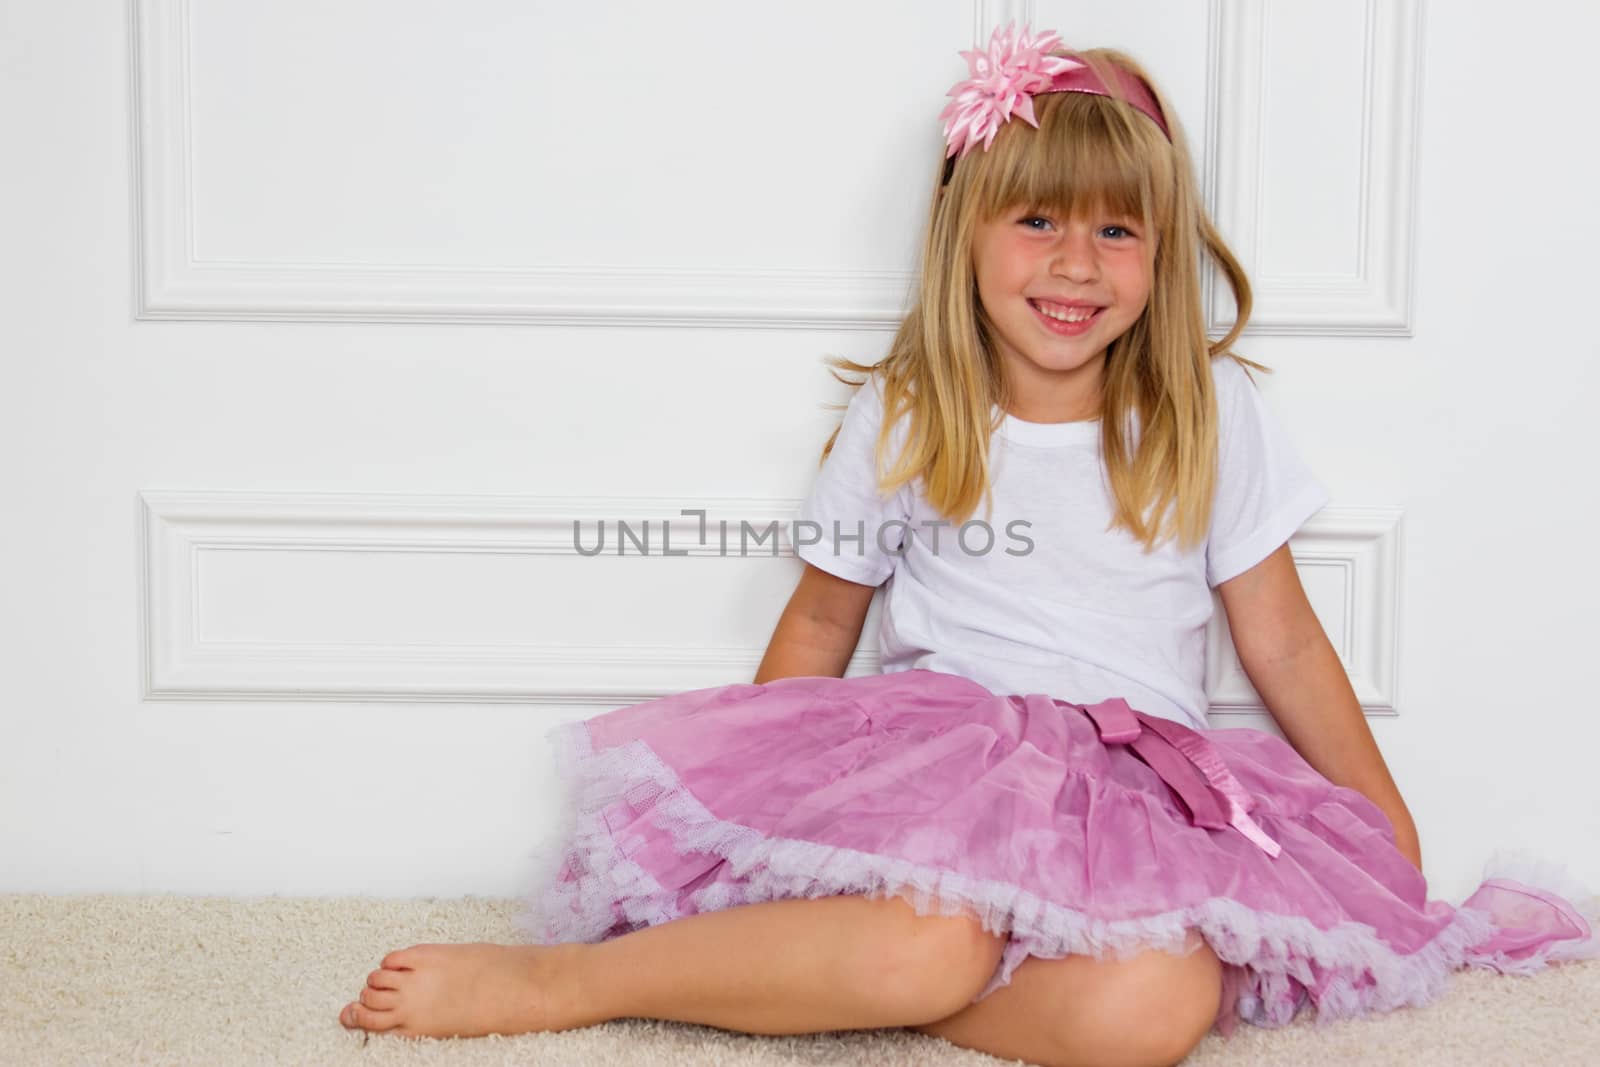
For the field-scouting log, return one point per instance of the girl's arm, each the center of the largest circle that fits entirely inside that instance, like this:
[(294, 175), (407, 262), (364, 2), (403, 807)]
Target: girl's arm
[(1294, 668), (818, 631)]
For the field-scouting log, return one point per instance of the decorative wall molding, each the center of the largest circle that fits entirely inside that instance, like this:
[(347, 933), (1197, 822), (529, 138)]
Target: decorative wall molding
[(178, 527), (181, 663), (1363, 547), (992, 14), (172, 283), (1376, 299)]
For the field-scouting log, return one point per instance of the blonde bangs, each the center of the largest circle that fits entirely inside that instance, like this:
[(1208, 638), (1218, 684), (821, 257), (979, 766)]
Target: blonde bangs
[(1089, 155)]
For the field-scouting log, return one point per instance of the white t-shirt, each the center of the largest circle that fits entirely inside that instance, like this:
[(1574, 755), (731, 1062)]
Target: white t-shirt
[(1037, 596)]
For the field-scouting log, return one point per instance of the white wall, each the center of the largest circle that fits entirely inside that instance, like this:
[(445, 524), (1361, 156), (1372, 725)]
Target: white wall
[(322, 321)]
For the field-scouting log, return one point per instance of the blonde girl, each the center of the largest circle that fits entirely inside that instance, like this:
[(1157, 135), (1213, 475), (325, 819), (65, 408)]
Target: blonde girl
[(1020, 834)]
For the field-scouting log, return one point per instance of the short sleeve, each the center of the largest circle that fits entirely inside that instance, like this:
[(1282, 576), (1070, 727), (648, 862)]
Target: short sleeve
[(1264, 490), (845, 526)]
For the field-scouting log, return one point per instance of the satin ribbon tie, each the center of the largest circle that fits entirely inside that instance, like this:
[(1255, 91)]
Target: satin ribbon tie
[(1188, 763)]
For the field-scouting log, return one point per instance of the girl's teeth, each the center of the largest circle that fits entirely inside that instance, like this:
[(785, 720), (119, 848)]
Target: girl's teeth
[(1074, 315)]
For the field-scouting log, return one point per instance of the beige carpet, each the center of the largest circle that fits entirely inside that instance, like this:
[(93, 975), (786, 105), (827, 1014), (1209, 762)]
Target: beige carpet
[(159, 979)]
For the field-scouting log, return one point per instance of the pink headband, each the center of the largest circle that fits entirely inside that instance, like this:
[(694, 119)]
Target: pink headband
[(1016, 68)]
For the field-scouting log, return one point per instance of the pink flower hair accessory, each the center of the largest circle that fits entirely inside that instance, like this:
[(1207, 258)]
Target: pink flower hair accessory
[(1004, 80)]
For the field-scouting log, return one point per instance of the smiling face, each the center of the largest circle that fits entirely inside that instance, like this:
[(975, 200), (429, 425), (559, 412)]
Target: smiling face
[(1056, 293)]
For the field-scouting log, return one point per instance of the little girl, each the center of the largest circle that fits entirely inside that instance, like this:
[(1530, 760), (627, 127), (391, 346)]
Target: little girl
[(1021, 835)]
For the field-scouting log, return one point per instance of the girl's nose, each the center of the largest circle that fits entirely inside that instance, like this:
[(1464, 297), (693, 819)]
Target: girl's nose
[(1075, 258)]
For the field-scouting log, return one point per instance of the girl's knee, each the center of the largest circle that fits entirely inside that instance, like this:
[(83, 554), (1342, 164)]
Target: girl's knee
[(1154, 1010), (939, 963)]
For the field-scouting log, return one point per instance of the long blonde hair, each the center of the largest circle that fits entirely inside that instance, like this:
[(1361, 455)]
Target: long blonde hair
[(1088, 151)]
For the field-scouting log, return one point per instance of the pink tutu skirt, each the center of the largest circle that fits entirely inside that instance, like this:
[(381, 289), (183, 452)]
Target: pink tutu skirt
[(1068, 829)]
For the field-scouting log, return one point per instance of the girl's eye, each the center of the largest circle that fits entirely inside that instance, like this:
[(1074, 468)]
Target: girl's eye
[(1031, 219), (1123, 230)]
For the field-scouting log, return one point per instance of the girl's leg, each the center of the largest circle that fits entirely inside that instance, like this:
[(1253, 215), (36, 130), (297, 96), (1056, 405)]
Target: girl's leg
[(785, 967), (792, 967)]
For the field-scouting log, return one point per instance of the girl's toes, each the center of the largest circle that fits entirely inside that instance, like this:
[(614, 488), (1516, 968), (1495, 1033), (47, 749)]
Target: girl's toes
[(384, 979), (380, 999), (400, 959), (360, 1017)]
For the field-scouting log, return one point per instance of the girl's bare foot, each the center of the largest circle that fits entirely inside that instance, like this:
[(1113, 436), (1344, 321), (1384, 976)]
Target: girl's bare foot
[(464, 991)]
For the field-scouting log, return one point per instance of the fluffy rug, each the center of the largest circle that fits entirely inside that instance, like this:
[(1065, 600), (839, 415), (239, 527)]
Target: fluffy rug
[(162, 979)]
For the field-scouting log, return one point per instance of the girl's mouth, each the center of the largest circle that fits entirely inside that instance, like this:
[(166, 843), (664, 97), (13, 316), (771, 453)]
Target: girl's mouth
[(1060, 326)]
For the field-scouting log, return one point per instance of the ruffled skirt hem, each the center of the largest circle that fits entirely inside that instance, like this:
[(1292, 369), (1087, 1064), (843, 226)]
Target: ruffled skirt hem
[(591, 889)]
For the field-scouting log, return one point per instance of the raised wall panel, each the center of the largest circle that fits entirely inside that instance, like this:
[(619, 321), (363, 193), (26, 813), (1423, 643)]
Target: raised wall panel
[(1310, 169), (387, 597), (500, 162), (1267, 103)]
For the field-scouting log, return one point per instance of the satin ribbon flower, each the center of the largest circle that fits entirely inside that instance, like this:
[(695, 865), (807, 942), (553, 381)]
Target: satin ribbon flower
[(1003, 82)]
